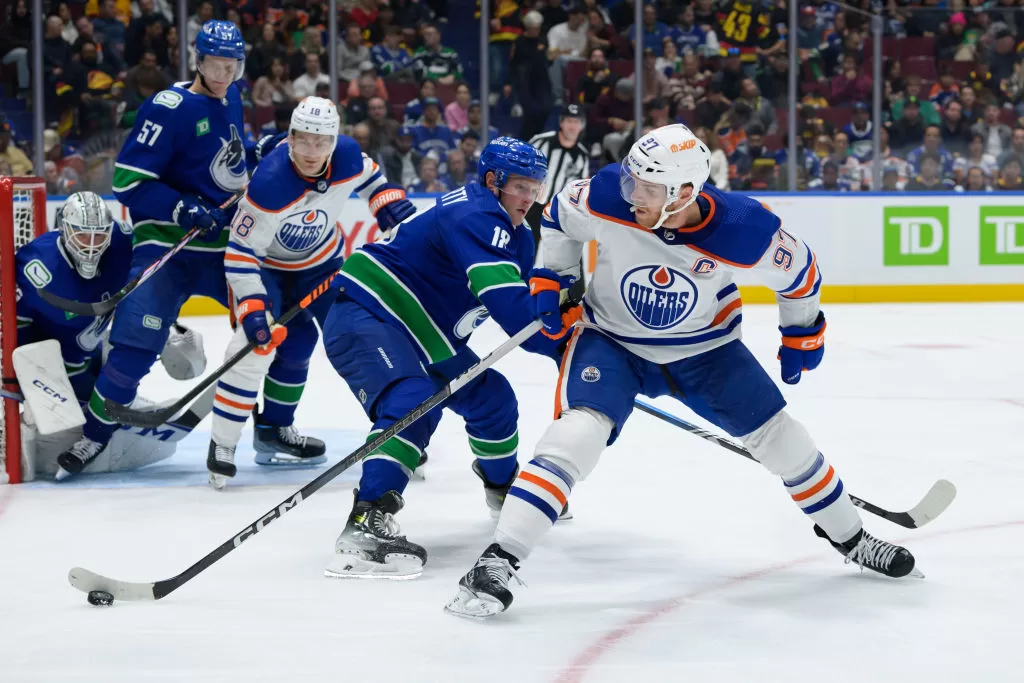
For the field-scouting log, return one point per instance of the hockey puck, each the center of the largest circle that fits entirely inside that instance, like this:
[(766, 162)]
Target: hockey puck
[(100, 598)]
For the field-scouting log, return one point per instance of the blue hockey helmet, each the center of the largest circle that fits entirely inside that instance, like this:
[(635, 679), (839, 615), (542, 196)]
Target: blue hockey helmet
[(507, 156), (221, 39)]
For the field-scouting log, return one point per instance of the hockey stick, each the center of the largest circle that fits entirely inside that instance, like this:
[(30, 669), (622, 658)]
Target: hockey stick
[(151, 418), (103, 307), (12, 395), (931, 506), (86, 581)]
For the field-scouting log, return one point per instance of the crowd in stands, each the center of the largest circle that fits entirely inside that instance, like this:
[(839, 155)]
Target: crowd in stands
[(952, 109)]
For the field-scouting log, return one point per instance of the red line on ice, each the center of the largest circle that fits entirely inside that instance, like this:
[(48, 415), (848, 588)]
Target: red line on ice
[(583, 662)]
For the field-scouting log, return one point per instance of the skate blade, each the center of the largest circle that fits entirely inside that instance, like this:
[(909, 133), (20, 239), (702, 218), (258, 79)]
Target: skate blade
[(915, 573), (276, 459), (218, 481), (395, 567), (61, 474), (469, 605)]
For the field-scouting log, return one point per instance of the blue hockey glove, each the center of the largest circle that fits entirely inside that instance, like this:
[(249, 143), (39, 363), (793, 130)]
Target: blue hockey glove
[(253, 315), (545, 289), (191, 213), (266, 144), (389, 206), (802, 348)]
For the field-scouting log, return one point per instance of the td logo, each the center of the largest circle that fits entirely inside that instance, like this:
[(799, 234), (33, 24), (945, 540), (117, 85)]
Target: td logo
[(1002, 235), (916, 236)]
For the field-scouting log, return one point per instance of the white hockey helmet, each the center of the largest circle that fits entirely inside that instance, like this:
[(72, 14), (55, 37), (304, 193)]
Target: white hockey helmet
[(671, 157), (85, 224), (316, 115)]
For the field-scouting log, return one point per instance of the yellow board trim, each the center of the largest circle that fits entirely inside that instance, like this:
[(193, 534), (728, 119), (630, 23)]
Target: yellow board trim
[(201, 305), (830, 294), (870, 294)]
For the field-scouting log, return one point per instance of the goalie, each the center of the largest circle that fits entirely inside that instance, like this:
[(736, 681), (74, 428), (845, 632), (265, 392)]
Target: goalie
[(87, 257)]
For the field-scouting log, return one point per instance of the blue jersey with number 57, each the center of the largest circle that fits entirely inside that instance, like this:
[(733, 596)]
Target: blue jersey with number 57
[(43, 263), (443, 271)]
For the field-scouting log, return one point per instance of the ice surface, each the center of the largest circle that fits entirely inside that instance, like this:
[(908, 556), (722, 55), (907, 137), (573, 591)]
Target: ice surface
[(684, 563)]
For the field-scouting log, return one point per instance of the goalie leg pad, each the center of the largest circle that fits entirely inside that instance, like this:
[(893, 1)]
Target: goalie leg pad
[(784, 447)]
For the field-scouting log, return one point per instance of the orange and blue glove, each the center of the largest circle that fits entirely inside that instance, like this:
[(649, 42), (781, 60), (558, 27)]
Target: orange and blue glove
[(802, 348), (389, 206), (545, 298), (255, 318)]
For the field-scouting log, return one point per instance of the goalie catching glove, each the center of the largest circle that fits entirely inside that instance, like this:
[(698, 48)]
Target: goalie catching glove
[(257, 322)]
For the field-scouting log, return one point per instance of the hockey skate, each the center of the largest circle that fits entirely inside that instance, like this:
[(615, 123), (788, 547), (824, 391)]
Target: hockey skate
[(372, 546), (75, 459), (875, 554), (483, 592), (220, 460), (494, 494), (277, 445)]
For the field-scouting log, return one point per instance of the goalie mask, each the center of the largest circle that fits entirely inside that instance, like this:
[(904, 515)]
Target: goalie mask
[(85, 224)]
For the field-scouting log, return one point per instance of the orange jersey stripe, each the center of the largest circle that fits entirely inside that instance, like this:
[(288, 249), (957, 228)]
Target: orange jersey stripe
[(724, 313), (308, 262), (561, 371), (544, 484), (812, 275), (242, 258)]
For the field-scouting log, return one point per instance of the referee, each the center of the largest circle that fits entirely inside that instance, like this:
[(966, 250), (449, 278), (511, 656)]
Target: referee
[(567, 160)]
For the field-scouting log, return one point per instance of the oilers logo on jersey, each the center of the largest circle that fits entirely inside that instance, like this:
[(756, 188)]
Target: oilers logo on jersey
[(228, 168), (659, 297), (303, 230)]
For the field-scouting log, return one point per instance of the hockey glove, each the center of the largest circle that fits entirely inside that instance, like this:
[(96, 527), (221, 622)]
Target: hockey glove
[(191, 213), (266, 144), (545, 289), (258, 325), (389, 206), (802, 348)]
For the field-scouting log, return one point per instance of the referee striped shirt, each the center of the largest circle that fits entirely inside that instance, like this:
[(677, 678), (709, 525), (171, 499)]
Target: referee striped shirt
[(565, 164)]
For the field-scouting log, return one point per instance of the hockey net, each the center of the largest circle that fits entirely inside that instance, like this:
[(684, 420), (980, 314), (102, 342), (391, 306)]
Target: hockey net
[(22, 219)]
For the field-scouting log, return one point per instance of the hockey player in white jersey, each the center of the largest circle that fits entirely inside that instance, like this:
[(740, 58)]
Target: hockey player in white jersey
[(284, 241), (662, 317)]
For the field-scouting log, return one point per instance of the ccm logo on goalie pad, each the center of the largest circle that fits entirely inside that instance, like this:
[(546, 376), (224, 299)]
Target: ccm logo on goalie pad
[(266, 519), (658, 297), (49, 391), (303, 230)]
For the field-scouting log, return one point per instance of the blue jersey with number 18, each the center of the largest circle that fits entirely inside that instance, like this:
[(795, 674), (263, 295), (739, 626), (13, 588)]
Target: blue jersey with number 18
[(445, 270)]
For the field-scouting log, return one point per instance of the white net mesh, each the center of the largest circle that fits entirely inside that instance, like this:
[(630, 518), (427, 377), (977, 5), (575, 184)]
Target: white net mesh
[(24, 228)]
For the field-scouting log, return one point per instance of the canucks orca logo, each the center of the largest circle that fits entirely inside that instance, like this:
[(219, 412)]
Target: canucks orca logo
[(302, 230), (470, 321), (228, 166), (659, 297)]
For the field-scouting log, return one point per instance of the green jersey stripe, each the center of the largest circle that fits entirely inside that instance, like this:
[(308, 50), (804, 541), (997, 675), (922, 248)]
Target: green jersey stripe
[(126, 177), (158, 232), (483, 276), (400, 302)]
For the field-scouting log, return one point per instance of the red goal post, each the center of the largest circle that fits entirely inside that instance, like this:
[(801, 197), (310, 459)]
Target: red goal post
[(22, 219)]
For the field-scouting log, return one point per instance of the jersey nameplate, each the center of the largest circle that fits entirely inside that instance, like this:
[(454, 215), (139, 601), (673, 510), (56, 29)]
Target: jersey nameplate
[(167, 98)]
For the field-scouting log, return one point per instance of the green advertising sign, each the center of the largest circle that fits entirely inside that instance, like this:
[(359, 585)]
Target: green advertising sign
[(916, 236), (1001, 230)]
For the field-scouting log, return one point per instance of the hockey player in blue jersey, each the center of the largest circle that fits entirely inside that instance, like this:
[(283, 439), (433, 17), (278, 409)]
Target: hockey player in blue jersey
[(88, 256), (662, 318), (401, 327), (284, 241), (185, 156)]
